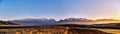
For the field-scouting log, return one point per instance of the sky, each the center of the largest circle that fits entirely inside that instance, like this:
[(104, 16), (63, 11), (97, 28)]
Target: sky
[(59, 9)]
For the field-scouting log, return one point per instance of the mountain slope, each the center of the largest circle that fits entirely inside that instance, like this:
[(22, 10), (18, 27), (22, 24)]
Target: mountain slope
[(7, 23), (42, 21)]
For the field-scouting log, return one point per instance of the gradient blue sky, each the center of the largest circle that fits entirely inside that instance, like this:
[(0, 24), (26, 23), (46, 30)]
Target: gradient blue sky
[(59, 9)]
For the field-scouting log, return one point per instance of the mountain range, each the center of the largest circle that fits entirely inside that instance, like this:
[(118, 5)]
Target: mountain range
[(44, 21), (7, 23)]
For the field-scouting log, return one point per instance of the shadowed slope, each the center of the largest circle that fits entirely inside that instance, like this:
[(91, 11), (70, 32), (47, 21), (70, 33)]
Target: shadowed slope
[(7, 23)]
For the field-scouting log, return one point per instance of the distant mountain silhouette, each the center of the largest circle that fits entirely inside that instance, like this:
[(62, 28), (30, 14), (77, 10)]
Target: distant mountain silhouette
[(7, 23), (44, 21), (29, 21), (106, 20), (76, 20)]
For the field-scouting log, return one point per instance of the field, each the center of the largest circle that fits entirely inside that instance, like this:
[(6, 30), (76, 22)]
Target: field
[(112, 31), (57, 29)]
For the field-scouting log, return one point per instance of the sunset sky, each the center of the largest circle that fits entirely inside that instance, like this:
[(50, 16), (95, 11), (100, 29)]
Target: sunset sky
[(59, 9)]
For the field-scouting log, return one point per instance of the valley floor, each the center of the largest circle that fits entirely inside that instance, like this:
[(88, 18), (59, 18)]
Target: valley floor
[(112, 31), (52, 30)]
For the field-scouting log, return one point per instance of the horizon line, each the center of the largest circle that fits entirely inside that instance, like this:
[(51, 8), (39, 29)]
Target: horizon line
[(5, 19)]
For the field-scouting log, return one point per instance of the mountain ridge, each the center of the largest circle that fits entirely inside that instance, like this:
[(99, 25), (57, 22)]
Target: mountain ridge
[(45, 21)]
